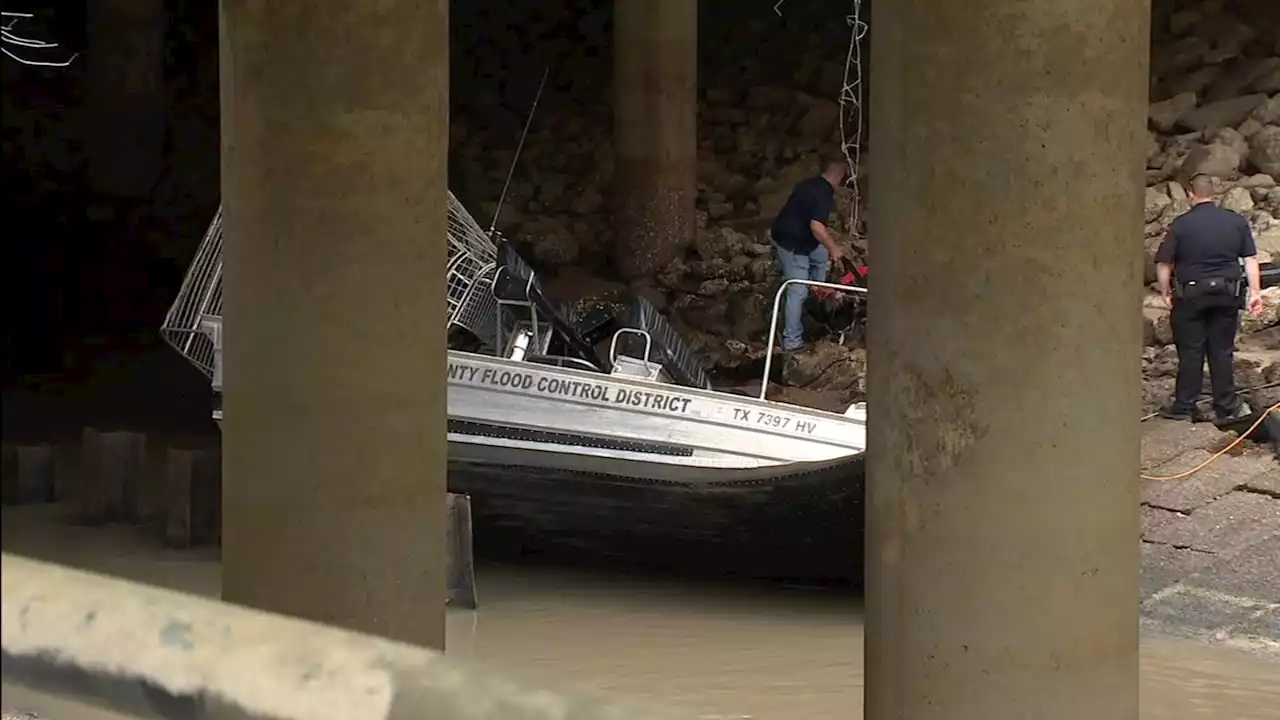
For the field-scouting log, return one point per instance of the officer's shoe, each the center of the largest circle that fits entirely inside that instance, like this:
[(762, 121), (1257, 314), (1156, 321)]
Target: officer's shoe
[(1168, 412), (1242, 411)]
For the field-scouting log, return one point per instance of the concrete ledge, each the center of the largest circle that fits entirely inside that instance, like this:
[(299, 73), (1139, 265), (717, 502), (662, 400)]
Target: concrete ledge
[(160, 654)]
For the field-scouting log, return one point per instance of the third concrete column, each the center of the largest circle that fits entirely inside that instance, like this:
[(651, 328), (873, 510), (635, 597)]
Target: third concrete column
[(334, 121), (1002, 557), (655, 133)]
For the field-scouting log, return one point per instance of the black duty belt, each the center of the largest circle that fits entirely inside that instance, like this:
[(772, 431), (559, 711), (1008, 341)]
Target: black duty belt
[(1203, 287)]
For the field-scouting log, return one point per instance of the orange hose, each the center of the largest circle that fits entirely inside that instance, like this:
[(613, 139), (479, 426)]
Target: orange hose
[(1221, 452)]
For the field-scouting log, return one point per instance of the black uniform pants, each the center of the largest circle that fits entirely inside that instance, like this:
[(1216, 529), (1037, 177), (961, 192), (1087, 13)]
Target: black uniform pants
[(1205, 327)]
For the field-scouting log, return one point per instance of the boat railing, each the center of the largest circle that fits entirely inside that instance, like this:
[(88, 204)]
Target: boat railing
[(472, 255), (773, 319), (132, 650), (563, 361), (673, 354), (650, 370)]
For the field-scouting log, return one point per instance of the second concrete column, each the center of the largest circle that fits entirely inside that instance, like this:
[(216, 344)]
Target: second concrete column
[(655, 131), (1002, 542)]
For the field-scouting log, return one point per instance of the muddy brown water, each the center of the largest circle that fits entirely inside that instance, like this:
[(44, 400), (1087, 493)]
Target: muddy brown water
[(735, 651)]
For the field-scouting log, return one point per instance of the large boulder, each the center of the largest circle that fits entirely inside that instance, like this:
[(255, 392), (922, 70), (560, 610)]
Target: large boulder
[(1156, 202), (1238, 200), (1224, 113), (1268, 113), (1267, 76), (1157, 328), (1270, 313), (1268, 242), (1164, 115), (1215, 159), (1264, 150), (827, 367)]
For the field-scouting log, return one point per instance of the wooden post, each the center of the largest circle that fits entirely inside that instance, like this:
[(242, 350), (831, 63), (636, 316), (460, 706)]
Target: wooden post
[(124, 456), (151, 499), (88, 501), (192, 496), (29, 475), (460, 564), (8, 470), (67, 474), (110, 464)]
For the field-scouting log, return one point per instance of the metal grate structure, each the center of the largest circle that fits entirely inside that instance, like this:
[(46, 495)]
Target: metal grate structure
[(192, 321), (469, 275), (200, 297)]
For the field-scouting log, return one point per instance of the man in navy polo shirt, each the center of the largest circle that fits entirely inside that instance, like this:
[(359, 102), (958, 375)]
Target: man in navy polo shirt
[(1207, 269), (802, 244)]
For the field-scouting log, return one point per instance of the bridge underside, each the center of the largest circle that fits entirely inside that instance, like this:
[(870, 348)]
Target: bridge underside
[(1001, 515)]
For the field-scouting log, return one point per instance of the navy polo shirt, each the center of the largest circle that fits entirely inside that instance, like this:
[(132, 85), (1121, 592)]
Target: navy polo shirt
[(810, 200), (1207, 242)]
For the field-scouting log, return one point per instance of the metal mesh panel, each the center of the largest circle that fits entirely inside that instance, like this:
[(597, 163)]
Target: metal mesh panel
[(468, 276), (201, 294), (471, 254), (478, 311)]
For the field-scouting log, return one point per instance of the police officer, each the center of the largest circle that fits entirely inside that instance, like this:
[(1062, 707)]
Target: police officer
[(1207, 269)]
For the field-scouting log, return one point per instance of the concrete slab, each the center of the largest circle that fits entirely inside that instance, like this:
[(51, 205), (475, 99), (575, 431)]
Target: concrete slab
[(1251, 573), (1266, 482), (1165, 565), (1163, 440), (1153, 518), (1216, 479), (1199, 610), (1227, 525), (1262, 625)]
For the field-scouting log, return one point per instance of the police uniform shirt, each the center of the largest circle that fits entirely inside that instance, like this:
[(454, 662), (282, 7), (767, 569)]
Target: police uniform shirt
[(1207, 242)]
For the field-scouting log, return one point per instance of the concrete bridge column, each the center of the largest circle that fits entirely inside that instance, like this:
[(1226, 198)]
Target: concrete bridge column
[(655, 133), (1002, 552), (334, 130), (126, 103)]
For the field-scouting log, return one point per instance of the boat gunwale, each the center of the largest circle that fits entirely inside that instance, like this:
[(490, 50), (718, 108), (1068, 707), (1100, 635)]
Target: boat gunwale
[(642, 383)]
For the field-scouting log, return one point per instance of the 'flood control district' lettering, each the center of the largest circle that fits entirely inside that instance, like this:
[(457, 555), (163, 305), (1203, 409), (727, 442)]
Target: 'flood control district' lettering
[(575, 389)]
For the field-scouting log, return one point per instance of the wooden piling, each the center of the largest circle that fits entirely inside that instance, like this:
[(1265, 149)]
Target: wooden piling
[(111, 464), (28, 473), (192, 513)]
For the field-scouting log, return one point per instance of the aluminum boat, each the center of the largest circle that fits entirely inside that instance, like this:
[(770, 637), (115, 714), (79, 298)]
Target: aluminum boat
[(537, 388)]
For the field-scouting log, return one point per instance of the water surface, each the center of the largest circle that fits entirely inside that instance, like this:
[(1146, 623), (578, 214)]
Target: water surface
[(738, 650)]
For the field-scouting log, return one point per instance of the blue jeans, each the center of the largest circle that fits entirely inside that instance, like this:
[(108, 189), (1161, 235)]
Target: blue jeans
[(798, 266)]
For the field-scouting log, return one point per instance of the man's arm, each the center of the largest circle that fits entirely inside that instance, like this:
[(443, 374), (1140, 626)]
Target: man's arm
[(1254, 274), (1164, 278), (827, 238), (1249, 251), (820, 211), (1164, 263)]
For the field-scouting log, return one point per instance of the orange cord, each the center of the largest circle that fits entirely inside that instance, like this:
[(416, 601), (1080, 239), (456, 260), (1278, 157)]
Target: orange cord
[(1221, 452)]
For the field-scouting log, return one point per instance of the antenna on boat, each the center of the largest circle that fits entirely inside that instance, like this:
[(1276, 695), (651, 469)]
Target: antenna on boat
[(512, 171)]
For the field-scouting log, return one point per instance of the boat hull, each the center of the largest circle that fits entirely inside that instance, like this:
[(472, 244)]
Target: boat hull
[(505, 416)]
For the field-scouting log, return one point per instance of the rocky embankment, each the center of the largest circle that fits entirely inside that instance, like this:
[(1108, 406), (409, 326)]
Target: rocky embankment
[(1216, 109), (1215, 94)]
